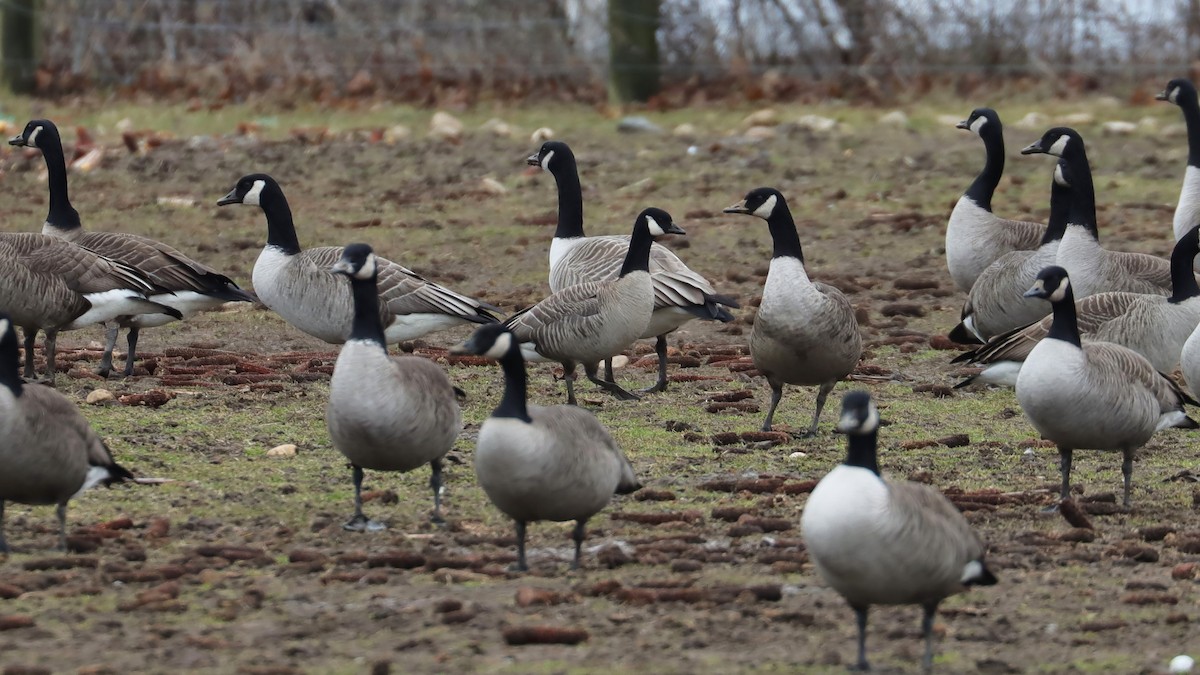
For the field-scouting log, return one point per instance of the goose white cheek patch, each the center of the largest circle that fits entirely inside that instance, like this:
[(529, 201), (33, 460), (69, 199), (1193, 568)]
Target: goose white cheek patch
[(500, 347), (767, 208), (3, 326), (655, 228), (254, 194), (1060, 292), (977, 125), (546, 160), (367, 270), (1060, 146), (32, 140)]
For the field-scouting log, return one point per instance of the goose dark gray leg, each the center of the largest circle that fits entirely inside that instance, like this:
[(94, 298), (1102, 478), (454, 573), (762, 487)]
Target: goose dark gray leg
[(608, 371), (1064, 464), (569, 380), (435, 482), (3, 542), (776, 395), (822, 394), (30, 339), (1127, 472), (51, 348), (860, 617), (110, 343), (611, 387), (521, 565), (927, 631), (131, 339), (578, 535), (660, 348), (61, 512), (358, 522)]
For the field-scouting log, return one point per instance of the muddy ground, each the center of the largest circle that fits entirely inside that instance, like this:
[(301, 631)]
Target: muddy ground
[(240, 564)]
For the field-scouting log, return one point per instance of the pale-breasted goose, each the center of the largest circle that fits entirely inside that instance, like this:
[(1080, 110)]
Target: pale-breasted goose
[(1152, 325), (52, 285), (49, 454), (596, 320), (975, 236), (297, 284), (1093, 396), (881, 542), (804, 332), (1182, 93), (553, 463), (385, 413), (188, 286), (680, 293), (1189, 361)]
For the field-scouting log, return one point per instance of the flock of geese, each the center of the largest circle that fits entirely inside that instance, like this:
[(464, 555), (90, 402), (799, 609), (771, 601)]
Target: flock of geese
[(1084, 334)]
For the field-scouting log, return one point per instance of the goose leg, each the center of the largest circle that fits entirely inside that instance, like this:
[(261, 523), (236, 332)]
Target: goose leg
[(578, 534), (51, 348), (1127, 472), (61, 512), (611, 387), (30, 338), (569, 379), (660, 348), (435, 482), (358, 522), (608, 374), (927, 631), (521, 565), (860, 617), (1064, 459), (776, 395), (822, 394), (110, 343), (3, 542), (132, 340)]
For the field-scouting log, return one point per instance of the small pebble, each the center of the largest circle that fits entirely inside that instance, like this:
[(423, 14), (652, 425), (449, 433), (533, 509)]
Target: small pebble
[(98, 396), (285, 450), (1181, 664)]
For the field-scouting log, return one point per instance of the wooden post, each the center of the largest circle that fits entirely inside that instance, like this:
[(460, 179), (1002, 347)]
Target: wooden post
[(20, 43), (633, 49)]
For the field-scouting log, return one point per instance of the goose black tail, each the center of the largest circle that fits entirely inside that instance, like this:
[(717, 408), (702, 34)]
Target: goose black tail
[(962, 336)]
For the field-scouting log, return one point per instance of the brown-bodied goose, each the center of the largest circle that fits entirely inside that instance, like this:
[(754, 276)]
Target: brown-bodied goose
[(187, 286), (975, 236), (882, 542), (297, 284), (553, 463), (680, 293), (805, 332), (49, 454), (596, 320), (1093, 396), (1182, 93), (386, 413)]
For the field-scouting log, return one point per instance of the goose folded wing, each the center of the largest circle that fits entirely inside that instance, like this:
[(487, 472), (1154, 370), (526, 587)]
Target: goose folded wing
[(166, 265)]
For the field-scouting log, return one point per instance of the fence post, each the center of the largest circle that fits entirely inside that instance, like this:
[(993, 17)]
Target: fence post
[(20, 43), (633, 49)]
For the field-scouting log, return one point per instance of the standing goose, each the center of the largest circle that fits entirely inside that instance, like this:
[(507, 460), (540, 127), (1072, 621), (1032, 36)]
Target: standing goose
[(880, 542), (1096, 396), (184, 284), (297, 284), (384, 413), (1182, 93), (596, 320), (52, 285), (975, 236), (553, 463), (805, 332), (49, 454), (680, 293), (1152, 325)]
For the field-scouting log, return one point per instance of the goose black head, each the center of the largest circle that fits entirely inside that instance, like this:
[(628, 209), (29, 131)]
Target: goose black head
[(659, 222), (249, 190), (35, 129), (357, 262), (550, 155), (1057, 142), (859, 414), (492, 340), (1178, 91), (1051, 284), (760, 202), (980, 119)]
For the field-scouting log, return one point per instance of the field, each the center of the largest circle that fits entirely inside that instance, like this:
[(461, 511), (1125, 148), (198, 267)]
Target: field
[(240, 564)]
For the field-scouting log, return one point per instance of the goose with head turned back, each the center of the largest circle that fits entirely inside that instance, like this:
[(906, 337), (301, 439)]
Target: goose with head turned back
[(881, 542), (1095, 395), (185, 285), (553, 463), (596, 320), (804, 332), (385, 413), (975, 236), (1182, 93), (297, 284), (680, 293), (49, 454)]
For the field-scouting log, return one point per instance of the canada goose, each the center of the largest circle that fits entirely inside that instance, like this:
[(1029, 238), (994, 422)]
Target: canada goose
[(52, 285), (996, 303), (49, 453), (1093, 268), (185, 285), (535, 463), (1189, 361), (881, 542), (680, 293), (975, 236), (805, 332), (1182, 93), (1096, 396), (384, 413), (298, 285), (595, 320), (1152, 325)]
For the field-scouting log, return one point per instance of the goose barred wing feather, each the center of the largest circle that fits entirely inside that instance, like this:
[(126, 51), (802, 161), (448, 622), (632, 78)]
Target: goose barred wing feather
[(573, 311), (50, 415), (930, 518), (82, 270), (1114, 363), (1019, 235), (167, 266), (1147, 268)]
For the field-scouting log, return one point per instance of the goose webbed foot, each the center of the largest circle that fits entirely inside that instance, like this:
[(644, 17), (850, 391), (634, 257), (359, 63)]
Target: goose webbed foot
[(360, 523)]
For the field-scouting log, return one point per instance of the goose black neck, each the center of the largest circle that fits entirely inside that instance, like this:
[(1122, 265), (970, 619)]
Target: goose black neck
[(367, 324), (861, 451), (62, 215), (1083, 193), (281, 230), (1191, 117), (1183, 281), (984, 186), (784, 237), (1060, 212), (1065, 326), (10, 364), (638, 257), (570, 198), (512, 404)]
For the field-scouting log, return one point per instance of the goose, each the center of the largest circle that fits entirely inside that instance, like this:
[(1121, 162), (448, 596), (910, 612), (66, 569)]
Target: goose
[(185, 285), (555, 463), (1094, 269), (680, 293), (384, 413), (50, 453), (882, 542), (975, 236), (53, 285), (1095, 396), (805, 332), (595, 320), (1189, 360), (996, 303), (1152, 325), (1182, 93), (297, 284)]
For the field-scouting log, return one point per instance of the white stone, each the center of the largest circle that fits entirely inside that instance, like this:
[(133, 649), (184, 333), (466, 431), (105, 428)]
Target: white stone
[(125, 124), (541, 135), (817, 123), (398, 132), (1118, 128), (445, 126), (620, 361), (285, 450), (1033, 120), (98, 396), (759, 133), (492, 186), (89, 161), (1077, 119), (685, 130), (177, 202), (498, 127), (767, 117), (1181, 664), (896, 118)]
